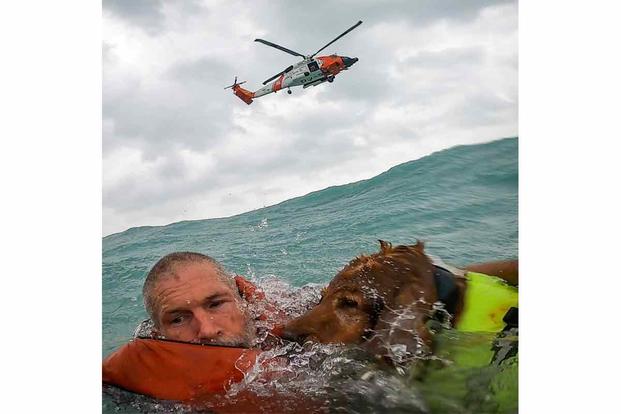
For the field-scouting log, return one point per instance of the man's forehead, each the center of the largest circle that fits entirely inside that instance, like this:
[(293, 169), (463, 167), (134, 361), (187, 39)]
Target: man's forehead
[(190, 283), (196, 273), (200, 269)]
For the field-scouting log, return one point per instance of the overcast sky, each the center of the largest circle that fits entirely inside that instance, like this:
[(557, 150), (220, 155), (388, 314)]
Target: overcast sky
[(177, 146)]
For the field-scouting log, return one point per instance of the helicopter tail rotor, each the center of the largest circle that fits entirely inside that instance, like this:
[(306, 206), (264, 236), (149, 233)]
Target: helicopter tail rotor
[(243, 94), (235, 83)]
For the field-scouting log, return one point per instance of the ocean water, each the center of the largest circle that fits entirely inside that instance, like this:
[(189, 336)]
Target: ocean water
[(463, 202)]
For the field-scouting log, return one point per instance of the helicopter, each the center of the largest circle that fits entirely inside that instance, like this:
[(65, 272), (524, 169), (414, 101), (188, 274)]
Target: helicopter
[(310, 71)]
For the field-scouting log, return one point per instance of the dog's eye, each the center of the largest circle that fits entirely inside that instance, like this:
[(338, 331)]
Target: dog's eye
[(348, 303)]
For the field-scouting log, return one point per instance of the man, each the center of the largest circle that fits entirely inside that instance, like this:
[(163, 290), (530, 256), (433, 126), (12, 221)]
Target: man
[(204, 329), (190, 298)]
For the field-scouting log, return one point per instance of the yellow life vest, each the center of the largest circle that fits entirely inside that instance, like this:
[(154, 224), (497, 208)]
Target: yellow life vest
[(487, 300)]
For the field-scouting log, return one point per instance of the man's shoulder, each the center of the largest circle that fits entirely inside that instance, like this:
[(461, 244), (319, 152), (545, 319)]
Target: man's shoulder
[(248, 290)]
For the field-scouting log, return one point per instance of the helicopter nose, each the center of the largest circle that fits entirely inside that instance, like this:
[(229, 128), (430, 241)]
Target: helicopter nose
[(347, 61)]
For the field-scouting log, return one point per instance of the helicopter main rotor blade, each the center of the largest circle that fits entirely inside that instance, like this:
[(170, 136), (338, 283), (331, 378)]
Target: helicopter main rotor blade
[(278, 74), (284, 49), (338, 37)]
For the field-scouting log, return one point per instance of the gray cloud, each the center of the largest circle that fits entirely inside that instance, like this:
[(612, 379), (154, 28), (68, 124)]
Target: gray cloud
[(183, 114), (296, 22), (146, 14), (205, 72), (149, 15), (177, 146)]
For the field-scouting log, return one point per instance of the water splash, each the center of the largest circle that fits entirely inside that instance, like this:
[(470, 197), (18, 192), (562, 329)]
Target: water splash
[(338, 378)]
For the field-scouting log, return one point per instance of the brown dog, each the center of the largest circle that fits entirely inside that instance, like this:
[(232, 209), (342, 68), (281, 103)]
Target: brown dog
[(380, 300), (386, 299)]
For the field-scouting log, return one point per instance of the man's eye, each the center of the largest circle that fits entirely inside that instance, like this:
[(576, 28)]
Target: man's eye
[(215, 304), (177, 320)]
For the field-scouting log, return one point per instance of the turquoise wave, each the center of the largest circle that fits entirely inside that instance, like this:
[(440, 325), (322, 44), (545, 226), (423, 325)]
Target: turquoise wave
[(463, 202)]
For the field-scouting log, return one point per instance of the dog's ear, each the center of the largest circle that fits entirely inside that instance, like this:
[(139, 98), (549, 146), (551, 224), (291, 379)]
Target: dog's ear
[(419, 246), (384, 246), (377, 307), (400, 333)]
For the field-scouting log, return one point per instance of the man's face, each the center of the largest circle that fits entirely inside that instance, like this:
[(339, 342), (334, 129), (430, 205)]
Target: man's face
[(196, 305)]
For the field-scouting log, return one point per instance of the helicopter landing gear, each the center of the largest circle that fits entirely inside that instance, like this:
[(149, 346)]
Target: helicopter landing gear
[(289, 91), (331, 78)]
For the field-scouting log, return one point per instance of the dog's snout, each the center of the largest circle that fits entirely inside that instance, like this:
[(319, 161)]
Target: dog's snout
[(294, 336)]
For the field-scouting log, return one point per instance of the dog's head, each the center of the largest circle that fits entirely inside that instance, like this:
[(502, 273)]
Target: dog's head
[(366, 294)]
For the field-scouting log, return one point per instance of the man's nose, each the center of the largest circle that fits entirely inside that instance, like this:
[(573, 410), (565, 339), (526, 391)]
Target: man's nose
[(207, 328)]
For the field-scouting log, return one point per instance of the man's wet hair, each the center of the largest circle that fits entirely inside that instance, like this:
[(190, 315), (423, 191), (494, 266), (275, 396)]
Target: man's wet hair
[(166, 267)]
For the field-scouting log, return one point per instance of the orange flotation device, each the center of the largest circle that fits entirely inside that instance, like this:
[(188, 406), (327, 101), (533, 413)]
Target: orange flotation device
[(171, 370), (174, 370)]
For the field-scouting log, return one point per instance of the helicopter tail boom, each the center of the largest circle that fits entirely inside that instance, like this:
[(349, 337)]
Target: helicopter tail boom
[(243, 94)]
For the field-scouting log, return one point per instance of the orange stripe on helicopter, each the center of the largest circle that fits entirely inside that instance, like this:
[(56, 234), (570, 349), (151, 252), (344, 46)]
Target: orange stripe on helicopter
[(332, 64), (278, 84), (243, 94)]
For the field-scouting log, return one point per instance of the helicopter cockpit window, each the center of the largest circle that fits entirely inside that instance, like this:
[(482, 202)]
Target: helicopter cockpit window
[(313, 66)]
